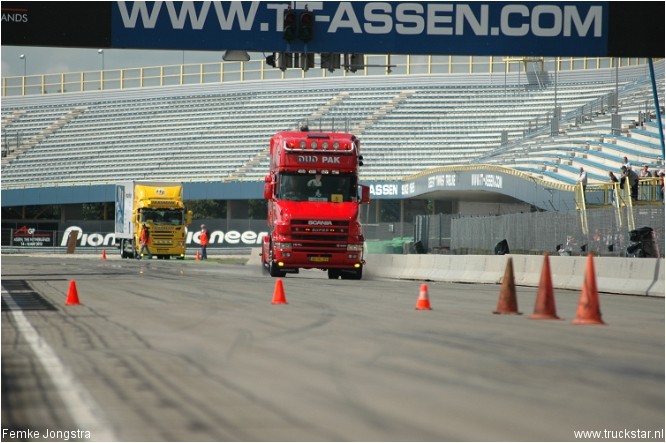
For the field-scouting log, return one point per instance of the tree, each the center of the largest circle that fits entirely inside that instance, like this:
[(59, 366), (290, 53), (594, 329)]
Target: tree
[(202, 209), (257, 209)]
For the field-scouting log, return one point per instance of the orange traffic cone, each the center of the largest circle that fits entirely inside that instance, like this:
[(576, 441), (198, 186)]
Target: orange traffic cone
[(588, 312), (197, 257), (103, 254), (507, 303), (544, 307), (423, 302), (278, 293), (72, 294)]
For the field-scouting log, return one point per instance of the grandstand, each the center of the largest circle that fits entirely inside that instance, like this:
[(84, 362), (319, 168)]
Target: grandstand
[(219, 132)]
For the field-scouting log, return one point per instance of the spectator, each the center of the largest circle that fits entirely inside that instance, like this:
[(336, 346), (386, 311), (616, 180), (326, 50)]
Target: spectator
[(613, 180), (645, 172), (144, 240), (660, 185), (582, 178), (633, 181), (626, 163), (203, 241)]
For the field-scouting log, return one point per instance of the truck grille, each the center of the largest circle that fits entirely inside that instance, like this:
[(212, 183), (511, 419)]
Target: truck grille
[(318, 236), (162, 236)]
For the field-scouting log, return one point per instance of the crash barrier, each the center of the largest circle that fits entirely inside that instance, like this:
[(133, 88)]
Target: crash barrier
[(615, 275), (631, 276)]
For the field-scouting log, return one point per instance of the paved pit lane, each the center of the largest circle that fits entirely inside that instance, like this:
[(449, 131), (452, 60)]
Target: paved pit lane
[(196, 351)]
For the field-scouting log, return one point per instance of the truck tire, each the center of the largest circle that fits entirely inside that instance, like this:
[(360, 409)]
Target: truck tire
[(334, 274), (352, 274), (274, 271), (123, 254), (273, 268)]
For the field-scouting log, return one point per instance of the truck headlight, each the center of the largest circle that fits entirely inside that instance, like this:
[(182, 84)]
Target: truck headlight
[(354, 247), (282, 246)]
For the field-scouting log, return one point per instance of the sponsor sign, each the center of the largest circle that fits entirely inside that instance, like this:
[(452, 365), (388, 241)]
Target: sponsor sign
[(229, 238), (487, 181), (26, 236), (538, 28), (384, 189), (442, 181), (480, 28)]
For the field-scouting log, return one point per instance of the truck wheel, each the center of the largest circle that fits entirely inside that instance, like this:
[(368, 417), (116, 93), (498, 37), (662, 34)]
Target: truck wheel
[(123, 254), (334, 274), (352, 274), (274, 271), (273, 268)]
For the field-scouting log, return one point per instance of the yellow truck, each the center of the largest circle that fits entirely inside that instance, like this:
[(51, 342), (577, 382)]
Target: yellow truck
[(160, 206)]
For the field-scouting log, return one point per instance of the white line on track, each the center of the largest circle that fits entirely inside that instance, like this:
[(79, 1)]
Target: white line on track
[(80, 405)]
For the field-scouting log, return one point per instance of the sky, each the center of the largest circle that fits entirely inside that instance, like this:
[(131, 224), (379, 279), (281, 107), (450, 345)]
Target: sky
[(40, 60)]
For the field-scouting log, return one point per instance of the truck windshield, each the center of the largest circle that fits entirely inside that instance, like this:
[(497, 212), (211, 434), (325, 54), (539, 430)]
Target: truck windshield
[(317, 187), (162, 216)]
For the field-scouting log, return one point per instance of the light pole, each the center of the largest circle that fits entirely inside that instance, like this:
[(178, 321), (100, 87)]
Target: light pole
[(101, 74), (25, 59)]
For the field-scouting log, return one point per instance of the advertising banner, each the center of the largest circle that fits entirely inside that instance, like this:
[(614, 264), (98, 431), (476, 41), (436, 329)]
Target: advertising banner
[(28, 236), (523, 28)]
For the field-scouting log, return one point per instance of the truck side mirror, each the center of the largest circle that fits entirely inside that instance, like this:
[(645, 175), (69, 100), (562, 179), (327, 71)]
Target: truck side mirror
[(365, 194), (188, 217), (268, 191)]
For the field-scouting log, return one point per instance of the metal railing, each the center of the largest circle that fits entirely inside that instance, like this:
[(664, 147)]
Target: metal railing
[(257, 70)]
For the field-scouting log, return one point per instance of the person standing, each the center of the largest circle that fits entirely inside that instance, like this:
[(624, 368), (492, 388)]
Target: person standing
[(613, 180), (582, 178), (144, 240), (628, 174), (626, 163), (203, 241)]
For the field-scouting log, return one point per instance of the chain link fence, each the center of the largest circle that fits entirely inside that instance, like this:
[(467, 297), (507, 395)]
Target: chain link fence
[(538, 232)]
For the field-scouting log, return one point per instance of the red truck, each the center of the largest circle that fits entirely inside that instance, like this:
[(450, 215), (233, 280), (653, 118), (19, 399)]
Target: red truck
[(314, 201)]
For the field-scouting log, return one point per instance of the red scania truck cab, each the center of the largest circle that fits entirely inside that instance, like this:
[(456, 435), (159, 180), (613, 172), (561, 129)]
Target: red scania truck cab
[(314, 201)]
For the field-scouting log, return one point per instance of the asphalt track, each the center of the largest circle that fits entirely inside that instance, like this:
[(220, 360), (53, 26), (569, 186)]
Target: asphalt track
[(196, 351)]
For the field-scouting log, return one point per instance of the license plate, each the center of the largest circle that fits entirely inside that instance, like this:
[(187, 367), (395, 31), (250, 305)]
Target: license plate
[(319, 259)]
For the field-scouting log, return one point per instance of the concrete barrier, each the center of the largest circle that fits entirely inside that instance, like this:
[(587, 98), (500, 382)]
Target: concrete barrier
[(255, 257), (632, 276)]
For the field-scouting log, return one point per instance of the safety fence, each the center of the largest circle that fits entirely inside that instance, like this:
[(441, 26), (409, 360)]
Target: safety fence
[(525, 233), (538, 232)]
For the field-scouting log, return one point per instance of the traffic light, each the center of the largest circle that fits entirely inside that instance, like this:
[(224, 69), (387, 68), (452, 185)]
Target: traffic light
[(289, 25), (306, 22), (330, 61), (356, 60), (305, 60)]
